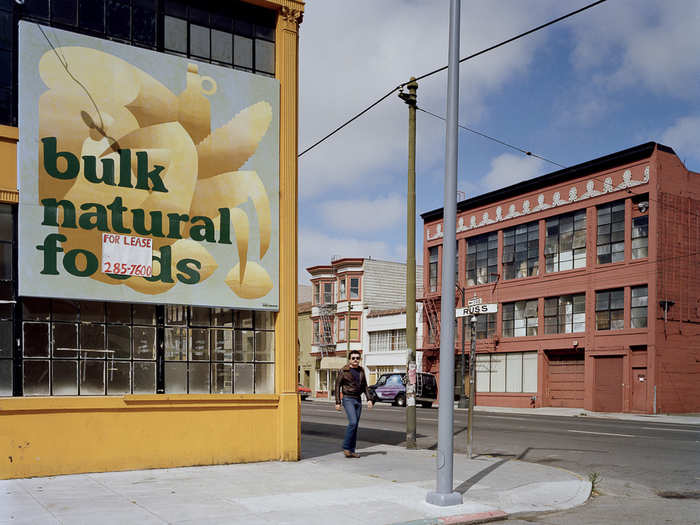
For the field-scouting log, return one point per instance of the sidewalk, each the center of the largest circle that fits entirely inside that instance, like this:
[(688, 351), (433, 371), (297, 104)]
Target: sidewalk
[(386, 485), (679, 419)]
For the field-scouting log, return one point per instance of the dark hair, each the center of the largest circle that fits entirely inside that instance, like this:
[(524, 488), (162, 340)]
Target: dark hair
[(352, 352)]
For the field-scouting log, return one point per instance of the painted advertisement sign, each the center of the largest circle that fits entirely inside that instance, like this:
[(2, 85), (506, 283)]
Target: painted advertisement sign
[(177, 156)]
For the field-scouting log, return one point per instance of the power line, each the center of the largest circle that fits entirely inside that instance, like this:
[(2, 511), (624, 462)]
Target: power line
[(528, 153), (400, 86)]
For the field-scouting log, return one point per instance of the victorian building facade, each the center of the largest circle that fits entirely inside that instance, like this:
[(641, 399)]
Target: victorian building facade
[(359, 304), (596, 273)]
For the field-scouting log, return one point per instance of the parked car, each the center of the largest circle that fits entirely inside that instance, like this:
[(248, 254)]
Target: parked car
[(303, 391), (391, 388)]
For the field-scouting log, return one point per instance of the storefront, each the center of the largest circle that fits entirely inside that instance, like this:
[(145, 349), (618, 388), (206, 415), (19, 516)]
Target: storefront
[(148, 243)]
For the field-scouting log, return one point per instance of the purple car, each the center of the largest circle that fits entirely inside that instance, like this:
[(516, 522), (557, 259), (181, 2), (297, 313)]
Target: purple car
[(390, 388)]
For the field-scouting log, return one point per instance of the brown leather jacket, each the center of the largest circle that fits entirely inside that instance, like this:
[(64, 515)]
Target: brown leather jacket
[(347, 382)]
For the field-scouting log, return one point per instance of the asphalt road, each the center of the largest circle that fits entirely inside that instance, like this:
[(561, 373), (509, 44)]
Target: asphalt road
[(648, 472)]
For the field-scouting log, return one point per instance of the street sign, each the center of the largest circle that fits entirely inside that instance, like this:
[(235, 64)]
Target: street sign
[(490, 308)]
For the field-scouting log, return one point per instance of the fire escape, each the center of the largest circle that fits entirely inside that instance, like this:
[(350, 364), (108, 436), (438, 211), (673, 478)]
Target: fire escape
[(431, 310), (326, 339)]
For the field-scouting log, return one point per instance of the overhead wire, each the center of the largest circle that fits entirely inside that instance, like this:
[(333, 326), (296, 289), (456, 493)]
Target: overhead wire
[(526, 152), (421, 77)]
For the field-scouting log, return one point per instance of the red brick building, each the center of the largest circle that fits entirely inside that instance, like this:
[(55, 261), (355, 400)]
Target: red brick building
[(596, 273)]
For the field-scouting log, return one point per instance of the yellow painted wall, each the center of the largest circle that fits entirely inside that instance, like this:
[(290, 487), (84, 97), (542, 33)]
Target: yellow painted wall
[(48, 436), (63, 435)]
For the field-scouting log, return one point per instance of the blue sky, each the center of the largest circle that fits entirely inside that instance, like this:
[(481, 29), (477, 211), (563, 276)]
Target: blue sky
[(620, 74)]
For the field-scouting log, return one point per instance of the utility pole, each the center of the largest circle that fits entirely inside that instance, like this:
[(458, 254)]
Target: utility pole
[(472, 386), (410, 99), (463, 359), (444, 495)]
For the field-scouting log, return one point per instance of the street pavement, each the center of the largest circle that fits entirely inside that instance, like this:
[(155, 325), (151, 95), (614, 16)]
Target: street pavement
[(386, 485)]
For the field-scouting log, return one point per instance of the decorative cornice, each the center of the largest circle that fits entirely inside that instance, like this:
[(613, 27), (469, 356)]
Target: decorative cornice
[(9, 196), (295, 16), (525, 206)]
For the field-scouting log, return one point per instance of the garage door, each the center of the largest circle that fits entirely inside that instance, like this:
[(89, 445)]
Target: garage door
[(565, 379)]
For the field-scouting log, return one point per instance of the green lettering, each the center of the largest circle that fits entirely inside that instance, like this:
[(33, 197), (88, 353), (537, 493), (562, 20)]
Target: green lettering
[(165, 262), (174, 220), (90, 170), (70, 260), (51, 157), (51, 213), (97, 219), (191, 276), (51, 249), (118, 216), (203, 232), (143, 175)]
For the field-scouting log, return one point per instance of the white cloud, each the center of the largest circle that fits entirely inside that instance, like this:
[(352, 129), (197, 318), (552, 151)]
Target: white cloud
[(363, 215), (380, 45), (642, 43), (684, 137), (318, 248), (509, 169)]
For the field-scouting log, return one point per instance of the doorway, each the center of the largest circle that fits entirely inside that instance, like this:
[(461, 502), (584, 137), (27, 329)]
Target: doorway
[(608, 384)]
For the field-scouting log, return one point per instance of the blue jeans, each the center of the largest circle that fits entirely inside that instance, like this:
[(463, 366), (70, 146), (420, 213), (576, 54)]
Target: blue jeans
[(353, 409)]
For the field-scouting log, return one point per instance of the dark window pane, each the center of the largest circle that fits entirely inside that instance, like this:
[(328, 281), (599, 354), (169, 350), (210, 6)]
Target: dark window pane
[(5, 29), (119, 313), (199, 316), (92, 15), (6, 112), (119, 342), (118, 378), (222, 22), (6, 223), (5, 377), (176, 344), (65, 378), (243, 27), (65, 340), (176, 7), (35, 340), (145, 314), (6, 68), (64, 11), (144, 378), (65, 310), (265, 31), (144, 26), (242, 51), (92, 341), (36, 378), (5, 261), (6, 339), (93, 312), (175, 34), (92, 378), (36, 309), (265, 56), (118, 19), (38, 8), (144, 342), (221, 46), (199, 16), (199, 41)]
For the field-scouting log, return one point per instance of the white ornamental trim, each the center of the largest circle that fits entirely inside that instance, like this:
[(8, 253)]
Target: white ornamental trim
[(526, 207)]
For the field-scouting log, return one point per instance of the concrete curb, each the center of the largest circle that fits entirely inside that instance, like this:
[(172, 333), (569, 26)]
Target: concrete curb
[(461, 519)]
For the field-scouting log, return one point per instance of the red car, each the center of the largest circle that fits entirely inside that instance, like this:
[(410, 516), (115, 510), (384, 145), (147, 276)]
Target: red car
[(303, 391)]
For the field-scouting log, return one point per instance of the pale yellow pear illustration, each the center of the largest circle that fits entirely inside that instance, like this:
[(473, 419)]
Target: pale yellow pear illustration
[(117, 106)]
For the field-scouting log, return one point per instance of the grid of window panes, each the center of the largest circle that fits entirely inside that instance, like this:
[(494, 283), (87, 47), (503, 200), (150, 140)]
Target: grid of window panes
[(521, 250), (326, 293), (218, 350), (638, 309), (485, 327), (433, 268), (482, 259), (565, 314), (565, 242), (387, 341), (7, 295), (640, 237), (611, 232), (520, 318), (232, 34), (610, 309), (506, 372), (83, 348)]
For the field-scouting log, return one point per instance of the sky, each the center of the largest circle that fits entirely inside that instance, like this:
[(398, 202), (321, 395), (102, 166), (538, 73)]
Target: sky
[(615, 76)]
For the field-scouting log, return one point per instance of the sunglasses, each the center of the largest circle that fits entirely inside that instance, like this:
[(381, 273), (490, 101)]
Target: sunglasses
[(354, 359)]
